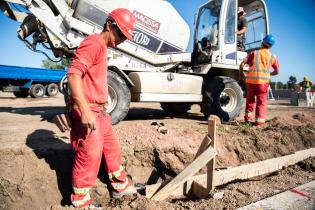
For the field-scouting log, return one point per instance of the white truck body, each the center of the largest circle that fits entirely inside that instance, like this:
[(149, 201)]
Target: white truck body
[(155, 66)]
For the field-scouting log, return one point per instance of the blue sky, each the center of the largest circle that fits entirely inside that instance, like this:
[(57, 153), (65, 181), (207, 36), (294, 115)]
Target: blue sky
[(291, 22)]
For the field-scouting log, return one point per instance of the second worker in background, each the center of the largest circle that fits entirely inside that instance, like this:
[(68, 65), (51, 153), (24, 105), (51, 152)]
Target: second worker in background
[(257, 80)]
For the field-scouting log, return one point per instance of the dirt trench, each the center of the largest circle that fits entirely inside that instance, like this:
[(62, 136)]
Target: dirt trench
[(40, 177)]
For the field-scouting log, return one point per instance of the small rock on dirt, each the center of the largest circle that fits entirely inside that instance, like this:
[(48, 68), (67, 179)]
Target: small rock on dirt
[(218, 195)]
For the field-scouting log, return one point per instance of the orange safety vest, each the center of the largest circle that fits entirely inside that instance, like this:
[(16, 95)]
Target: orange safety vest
[(258, 72)]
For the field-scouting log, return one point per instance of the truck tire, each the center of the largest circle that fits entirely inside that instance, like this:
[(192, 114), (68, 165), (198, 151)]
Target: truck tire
[(37, 91), (222, 96), (21, 94), (52, 90), (174, 109), (119, 97)]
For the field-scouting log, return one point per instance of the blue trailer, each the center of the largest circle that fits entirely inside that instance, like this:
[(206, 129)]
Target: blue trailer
[(25, 81)]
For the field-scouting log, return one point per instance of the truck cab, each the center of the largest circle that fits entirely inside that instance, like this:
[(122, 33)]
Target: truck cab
[(215, 38)]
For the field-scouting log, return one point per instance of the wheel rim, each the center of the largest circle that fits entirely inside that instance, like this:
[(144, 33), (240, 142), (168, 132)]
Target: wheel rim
[(112, 99), (228, 100), (39, 91), (53, 90)]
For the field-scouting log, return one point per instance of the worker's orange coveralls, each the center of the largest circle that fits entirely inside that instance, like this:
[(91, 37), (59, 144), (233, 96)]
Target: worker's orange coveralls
[(257, 80), (90, 62)]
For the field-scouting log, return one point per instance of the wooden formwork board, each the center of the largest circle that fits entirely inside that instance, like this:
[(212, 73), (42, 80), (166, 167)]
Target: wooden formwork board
[(238, 173), (205, 155), (186, 174)]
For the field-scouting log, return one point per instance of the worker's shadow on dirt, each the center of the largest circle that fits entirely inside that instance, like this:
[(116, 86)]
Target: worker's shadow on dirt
[(58, 155), (46, 112), (150, 114), (162, 170)]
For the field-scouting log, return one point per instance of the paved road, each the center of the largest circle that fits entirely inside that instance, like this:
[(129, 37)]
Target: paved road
[(302, 198)]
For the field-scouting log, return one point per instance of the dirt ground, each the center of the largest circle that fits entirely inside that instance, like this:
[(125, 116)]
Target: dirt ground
[(36, 158)]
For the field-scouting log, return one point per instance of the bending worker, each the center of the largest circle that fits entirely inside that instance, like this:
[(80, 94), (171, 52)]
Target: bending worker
[(257, 79), (92, 134)]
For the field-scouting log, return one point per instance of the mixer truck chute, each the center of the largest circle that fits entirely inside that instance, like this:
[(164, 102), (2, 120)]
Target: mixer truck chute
[(155, 66)]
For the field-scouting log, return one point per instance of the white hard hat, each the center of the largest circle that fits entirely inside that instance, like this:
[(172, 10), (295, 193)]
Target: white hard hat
[(241, 10)]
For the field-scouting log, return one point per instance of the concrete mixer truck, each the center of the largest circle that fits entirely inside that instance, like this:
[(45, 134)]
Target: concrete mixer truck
[(155, 66)]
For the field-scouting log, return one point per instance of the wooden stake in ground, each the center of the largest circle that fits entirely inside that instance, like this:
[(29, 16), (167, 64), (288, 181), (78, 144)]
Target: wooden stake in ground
[(210, 140), (211, 165)]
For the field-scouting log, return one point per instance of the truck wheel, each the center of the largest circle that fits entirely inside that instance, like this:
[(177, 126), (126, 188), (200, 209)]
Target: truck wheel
[(21, 94), (222, 96), (37, 91), (174, 109), (52, 89), (118, 97)]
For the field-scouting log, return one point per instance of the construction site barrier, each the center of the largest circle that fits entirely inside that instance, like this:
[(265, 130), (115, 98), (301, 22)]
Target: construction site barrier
[(310, 98)]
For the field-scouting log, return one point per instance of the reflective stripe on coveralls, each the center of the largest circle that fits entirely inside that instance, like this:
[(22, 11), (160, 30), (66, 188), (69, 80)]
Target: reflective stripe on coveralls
[(81, 190), (259, 70), (81, 200), (115, 173), (260, 120), (118, 186), (248, 116)]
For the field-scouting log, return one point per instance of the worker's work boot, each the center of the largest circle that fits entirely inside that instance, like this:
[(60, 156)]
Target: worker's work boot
[(259, 124), (130, 190)]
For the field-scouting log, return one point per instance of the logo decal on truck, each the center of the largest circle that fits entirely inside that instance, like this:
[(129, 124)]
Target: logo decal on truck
[(141, 38), (146, 40), (152, 43), (147, 22)]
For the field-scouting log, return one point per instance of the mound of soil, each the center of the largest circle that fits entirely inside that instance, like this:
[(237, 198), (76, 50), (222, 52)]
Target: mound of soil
[(37, 178)]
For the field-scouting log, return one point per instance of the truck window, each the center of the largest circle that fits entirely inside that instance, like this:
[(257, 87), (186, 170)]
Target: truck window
[(256, 29), (208, 22), (229, 36)]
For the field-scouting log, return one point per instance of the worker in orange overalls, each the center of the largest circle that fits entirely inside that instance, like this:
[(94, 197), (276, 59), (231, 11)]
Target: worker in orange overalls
[(92, 134), (257, 79)]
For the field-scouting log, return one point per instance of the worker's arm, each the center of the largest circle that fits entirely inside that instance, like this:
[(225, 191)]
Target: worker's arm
[(243, 64), (242, 31), (247, 60), (241, 73), (84, 58), (275, 66), (275, 72), (244, 24), (76, 88)]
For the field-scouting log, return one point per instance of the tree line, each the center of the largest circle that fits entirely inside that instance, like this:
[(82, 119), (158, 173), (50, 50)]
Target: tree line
[(290, 84)]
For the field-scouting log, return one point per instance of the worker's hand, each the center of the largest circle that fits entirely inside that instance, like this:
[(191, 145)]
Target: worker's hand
[(241, 75), (88, 120)]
